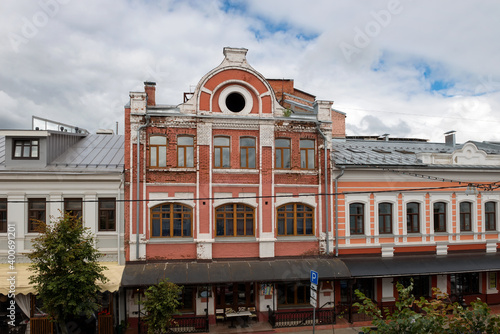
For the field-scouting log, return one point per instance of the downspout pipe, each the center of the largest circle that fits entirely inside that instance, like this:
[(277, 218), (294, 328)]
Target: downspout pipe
[(138, 167), (342, 170), (327, 196)]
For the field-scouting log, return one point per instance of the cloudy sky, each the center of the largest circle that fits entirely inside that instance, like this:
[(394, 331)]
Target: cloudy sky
[(403, 67)]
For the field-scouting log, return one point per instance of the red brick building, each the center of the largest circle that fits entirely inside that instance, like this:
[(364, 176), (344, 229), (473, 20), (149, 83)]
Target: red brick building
[(229, 186)]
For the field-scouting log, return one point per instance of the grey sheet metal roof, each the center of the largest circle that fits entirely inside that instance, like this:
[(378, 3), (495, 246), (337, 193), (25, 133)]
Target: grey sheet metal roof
[(2, 149), (356, 152), (94, 151), (422, 264), (232, 271)]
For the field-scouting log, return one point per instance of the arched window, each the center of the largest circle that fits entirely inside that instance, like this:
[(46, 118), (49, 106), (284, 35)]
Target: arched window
[(465, 216), (235, 220), (490, 216), (171, 220), (439, 217), (357, 218), (157, 151), (295, 219)]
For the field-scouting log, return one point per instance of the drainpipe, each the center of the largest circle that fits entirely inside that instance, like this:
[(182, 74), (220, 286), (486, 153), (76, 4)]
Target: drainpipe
[(327, 196), (342, 169), (139, 184)]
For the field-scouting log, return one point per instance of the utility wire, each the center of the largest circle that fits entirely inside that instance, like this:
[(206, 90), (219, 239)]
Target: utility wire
[(395, 190)]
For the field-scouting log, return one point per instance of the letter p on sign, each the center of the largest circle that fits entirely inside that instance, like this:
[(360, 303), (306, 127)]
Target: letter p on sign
[(314, 277)]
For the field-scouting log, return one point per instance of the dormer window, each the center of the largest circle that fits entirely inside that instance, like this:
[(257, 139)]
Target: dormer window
[(25, 149)]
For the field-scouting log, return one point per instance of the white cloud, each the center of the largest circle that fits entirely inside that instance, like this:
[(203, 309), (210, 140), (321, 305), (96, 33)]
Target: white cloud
[(428, 68)]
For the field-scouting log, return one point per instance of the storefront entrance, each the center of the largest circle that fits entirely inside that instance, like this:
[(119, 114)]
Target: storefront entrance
[(236, 296)]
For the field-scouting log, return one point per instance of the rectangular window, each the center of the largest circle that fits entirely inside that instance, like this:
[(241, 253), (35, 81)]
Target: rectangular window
[(492, 280), (490, 216), (157, 151), (307, 154), (107, 214), (73, 206), (421, 286), (26, 149), (413, 217), (221, 152), (282, 147), (357, 218), (465, 216), (385, 218), (37, 212), (187, 298), (3, 215), (293, 293), (439, 217), (185, 151), (464, 283), (364, 285), (247, 152)]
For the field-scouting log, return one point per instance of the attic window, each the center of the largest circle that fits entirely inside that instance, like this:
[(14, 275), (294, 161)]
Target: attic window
[(25, 149), (355, 151), (405, 152), (381, 151)]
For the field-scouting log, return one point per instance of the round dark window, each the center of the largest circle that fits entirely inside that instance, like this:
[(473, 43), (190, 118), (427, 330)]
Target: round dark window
[(235, 102)]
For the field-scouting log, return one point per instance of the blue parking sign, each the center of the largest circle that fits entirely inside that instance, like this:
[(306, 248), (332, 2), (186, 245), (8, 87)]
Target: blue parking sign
[(314, 277)]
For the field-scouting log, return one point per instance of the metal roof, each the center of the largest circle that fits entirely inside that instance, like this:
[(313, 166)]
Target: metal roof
[(2, 149), (356, 152), (94, 151), (277, 270), (422, 264)]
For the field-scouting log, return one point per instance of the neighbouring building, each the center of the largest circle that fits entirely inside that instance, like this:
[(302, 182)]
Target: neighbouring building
[(410, 209), (250, 183), (48, 170)]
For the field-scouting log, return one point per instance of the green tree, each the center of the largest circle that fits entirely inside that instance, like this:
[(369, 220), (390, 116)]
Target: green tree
[(65, 267), (161, 304), (437, 315)]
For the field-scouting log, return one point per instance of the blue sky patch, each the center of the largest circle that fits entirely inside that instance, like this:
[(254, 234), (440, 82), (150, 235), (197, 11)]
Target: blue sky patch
[(267, 26)]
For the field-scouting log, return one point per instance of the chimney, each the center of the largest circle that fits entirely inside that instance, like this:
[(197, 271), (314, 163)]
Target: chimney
[(150, 89), (449, 138)]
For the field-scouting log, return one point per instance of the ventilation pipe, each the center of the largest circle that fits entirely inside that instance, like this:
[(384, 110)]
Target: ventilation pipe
[(327, 196), (139, 184), (337, 211)]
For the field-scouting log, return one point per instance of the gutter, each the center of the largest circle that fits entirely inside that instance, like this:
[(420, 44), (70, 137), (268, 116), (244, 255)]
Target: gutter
[(342, 170), (139, 184)]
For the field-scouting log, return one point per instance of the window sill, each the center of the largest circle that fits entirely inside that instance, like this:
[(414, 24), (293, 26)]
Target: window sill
[(235, 171), (169, 240), (296, 171), (297, 238), (106, 233), (172, 169), (234, 239)]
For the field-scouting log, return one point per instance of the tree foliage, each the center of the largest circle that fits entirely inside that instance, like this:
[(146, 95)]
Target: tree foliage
[(437, 315), (161, 304), (65, 269)]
